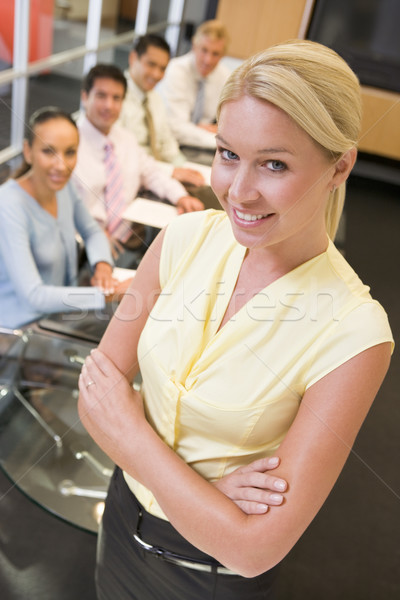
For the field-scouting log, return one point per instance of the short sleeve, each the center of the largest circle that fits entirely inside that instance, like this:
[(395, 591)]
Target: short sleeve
[(363, 327), (184, 236)]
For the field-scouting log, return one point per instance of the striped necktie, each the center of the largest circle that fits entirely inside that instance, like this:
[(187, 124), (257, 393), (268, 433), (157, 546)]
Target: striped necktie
[(148, 117), (114, 196)]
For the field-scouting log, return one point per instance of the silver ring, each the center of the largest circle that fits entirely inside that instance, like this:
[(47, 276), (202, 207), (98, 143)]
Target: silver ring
[(90, 383)]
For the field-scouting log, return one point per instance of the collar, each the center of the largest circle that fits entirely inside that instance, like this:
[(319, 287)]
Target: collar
[(93, 135), (134, 88)]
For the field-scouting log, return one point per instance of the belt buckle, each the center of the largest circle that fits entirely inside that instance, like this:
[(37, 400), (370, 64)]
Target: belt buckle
[(187, 563)]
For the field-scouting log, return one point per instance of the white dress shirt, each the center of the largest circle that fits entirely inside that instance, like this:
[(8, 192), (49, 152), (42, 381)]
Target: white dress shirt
[(133, 118), (138, 169), (179, 90)]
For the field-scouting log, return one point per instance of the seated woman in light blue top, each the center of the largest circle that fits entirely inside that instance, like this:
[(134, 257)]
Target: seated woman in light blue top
[(39, 217)]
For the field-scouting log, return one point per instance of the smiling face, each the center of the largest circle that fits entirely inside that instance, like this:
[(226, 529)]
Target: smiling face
[(208, 52), (149, 68), (103, 103), (53, 153), (271, 178)]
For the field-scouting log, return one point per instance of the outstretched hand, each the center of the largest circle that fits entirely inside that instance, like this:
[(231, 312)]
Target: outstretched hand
[(189, 204), (252, 488)]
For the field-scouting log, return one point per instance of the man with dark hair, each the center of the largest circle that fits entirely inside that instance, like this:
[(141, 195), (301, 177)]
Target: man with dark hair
[(103, 71), (111, 166), (142, 43), (143, 111)]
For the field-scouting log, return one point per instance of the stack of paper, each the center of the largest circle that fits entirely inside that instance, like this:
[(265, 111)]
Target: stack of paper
[(150, 212)]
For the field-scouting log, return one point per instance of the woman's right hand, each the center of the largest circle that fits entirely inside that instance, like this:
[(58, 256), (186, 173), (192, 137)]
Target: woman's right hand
[(252, 488), (103, 278), (120, 288)]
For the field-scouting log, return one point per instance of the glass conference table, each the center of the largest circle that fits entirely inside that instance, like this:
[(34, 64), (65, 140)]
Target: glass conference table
[(44, 449)]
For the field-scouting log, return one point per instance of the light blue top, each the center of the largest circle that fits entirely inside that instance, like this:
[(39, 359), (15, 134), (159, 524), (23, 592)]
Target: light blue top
[(38, 256)]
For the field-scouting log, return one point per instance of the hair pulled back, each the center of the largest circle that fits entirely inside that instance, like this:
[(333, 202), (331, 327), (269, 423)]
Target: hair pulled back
[(42, 115), (316, 88)]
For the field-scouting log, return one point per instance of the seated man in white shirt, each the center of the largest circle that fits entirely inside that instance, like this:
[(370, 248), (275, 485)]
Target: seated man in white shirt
[(112, 167), (192, 86), (143, 111)]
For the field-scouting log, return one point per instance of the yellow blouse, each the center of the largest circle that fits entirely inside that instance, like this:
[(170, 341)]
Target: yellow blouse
[(222, 399)]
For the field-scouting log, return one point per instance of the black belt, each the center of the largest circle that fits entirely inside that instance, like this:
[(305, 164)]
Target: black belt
[(177, 559)]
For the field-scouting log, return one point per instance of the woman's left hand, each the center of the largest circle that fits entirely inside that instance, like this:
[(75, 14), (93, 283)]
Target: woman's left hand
[(253, 488), (109, 407), (103, 279)]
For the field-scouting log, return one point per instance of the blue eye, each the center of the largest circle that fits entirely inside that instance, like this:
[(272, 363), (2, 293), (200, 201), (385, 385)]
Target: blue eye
[(227, 154), (276, 165)]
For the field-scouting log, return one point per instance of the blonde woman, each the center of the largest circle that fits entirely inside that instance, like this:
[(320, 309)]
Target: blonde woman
[(254, 338)]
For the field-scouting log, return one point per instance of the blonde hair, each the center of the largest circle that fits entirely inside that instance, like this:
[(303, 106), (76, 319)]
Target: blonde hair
[(213, 29), (317, 89)]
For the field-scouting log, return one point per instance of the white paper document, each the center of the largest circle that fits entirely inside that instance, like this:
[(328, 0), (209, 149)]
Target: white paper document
[(150, 212), (123, 274)]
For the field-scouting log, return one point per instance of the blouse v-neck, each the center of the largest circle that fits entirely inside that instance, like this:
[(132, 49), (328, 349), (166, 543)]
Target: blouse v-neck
[(240, 251), (198, 274)]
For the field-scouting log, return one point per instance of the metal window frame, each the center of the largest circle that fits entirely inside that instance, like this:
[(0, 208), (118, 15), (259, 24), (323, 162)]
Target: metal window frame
[(175, 18), (21, 70)]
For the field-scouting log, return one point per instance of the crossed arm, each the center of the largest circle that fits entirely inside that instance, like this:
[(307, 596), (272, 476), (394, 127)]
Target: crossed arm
[(312, 454)]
